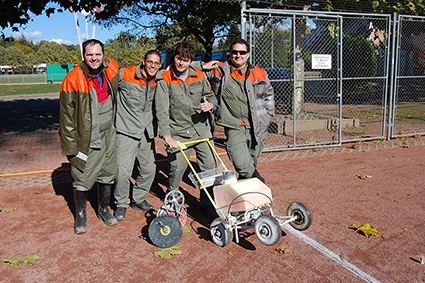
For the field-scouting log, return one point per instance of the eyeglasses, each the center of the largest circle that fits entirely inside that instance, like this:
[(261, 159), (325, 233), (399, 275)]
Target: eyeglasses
[(153, 63), (241, 52)]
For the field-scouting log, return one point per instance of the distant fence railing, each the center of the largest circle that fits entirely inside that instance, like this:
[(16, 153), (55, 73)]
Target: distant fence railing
[(23, 79), (31, 79)]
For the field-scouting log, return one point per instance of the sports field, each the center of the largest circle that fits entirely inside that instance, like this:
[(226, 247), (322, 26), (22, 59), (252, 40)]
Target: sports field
[(379, 183)]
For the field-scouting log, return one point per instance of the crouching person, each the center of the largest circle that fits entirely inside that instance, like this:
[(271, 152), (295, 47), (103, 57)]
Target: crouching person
[(87, 130)]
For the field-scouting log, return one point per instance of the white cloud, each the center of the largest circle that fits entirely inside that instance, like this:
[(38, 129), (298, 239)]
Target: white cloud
[(61, 41), (29, 35), (53, 28)]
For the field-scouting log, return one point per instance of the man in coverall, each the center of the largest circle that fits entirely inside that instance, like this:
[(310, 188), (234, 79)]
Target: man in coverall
[(246, 108), (136, 130), (87, 130), (183, 101)]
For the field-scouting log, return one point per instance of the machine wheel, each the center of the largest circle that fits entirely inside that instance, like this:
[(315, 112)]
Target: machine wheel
[(174, 200), (302, 213), (219, 234), (267, 230), (165, 231), (182, 215)]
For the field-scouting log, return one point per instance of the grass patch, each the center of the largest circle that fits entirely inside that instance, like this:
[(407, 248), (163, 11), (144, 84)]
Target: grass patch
[(404, 114), (28, 89), (410, 114)]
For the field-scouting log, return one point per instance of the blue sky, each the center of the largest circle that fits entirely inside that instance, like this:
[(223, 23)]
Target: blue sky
[(61, 28)]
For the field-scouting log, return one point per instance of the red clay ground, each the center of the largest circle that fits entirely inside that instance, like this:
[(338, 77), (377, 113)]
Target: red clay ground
[(325, 180)]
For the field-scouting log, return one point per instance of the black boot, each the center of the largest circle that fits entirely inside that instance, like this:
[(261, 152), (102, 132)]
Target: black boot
[(257, 175), (103, 198), (80, 223)]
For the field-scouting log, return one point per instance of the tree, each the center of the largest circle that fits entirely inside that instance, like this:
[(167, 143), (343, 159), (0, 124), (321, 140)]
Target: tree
[(232, 34), (203, 20), (17, 13), (13, 56), (52, 53), (128, 49)]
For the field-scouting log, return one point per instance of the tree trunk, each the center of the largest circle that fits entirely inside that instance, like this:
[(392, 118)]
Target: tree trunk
[(300, 34)]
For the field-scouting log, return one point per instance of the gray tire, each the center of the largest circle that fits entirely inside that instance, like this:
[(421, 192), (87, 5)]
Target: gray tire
[(219, 234), (302, 213), (267, 230)]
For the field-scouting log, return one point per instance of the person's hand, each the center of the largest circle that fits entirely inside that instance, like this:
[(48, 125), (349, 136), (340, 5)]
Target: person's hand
[(171, 142), (206, 106), (210, 65)]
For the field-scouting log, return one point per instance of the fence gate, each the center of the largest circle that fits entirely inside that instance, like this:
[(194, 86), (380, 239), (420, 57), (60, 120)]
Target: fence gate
[(301, 55), (408, 105)]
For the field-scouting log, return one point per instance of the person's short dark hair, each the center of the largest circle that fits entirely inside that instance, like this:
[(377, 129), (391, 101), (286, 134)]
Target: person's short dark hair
[(92, 41), (152, 52), (186, 50), (240, 41)]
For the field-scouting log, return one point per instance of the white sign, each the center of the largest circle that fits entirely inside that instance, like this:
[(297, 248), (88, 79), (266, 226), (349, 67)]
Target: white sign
[(321, 61)]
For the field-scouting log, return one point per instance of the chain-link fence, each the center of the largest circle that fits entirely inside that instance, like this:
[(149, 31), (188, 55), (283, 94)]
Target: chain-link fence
[(307, 104), (408, 116), (332, 76)]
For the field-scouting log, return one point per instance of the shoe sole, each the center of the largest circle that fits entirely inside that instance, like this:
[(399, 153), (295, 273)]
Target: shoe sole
[(111, 223), (138, 208)]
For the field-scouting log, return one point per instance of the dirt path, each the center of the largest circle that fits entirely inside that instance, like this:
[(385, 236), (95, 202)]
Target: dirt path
[(392, 200)]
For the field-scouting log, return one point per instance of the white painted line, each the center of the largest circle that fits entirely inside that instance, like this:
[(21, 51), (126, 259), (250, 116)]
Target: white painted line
[(366, 277)]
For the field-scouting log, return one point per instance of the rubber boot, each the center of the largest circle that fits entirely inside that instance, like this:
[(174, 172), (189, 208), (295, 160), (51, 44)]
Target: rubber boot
[(257, 175), (80, 223), (103, 199)]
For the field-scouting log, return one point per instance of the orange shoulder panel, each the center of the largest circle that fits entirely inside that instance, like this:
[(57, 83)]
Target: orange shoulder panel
[(198, 77), (112, 68), (129, 75), (168, 78), (257, 74), (75, 81)]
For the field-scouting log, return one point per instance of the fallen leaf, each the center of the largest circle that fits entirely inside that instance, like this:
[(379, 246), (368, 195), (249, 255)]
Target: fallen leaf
[(397, 201), (229, 253), (37, 192), (186, 229), (16, 261), (168, 252), (7, 209), (363, 176), (283, 249), (366, 229), (407, 229)]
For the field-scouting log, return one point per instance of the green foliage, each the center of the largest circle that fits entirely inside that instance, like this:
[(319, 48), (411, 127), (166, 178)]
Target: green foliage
[(232, 34), (127, 49), (204, 21), (12, 56), (16, 261), (274, 45), (53, 53), (359, 59), (169, 252), (7, 209), (366, 230)]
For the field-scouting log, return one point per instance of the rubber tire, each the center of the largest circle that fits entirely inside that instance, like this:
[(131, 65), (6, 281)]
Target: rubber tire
[(163, 211), (219, 234), (303, 215), (267, 230), (165, 237)]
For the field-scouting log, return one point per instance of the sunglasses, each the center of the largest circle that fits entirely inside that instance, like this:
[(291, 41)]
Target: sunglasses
[(241, 52)]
